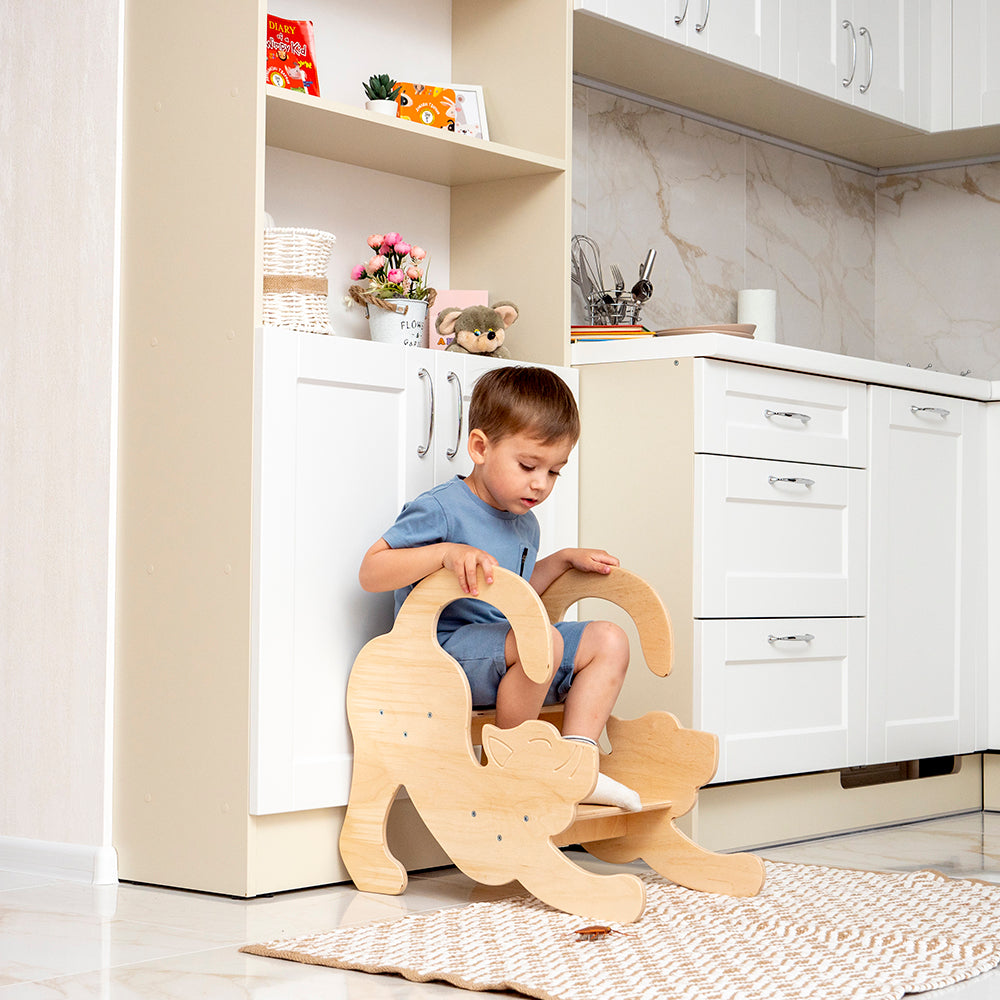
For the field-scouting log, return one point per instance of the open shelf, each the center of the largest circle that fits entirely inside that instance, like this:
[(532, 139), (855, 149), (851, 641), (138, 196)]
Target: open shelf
[(336, 131)]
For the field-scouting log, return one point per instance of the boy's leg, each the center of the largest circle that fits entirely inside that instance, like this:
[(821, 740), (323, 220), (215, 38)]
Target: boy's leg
[(520, 699), (598, 674), (599, 669)]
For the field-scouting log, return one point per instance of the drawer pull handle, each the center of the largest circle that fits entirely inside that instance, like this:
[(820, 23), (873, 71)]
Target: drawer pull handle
[(939, 410), (799, 480), (452, 452), (422, 449), (805, 637), (804, 417)]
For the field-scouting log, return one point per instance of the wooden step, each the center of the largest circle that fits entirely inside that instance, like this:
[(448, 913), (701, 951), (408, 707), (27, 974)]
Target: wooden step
[(595, 822)]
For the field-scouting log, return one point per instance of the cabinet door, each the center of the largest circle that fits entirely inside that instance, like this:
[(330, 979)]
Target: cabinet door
[(778, 539), (784, 696), (976, 74), (744, 32), (332, 419), (810, 33), (927, 638), (862, 52), (643, 15)]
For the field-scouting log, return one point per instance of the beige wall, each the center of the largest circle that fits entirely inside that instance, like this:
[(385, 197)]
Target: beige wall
[(58, 127)]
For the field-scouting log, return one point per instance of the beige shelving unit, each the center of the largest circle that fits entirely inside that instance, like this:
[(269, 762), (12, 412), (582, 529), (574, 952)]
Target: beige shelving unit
[(198, 120)]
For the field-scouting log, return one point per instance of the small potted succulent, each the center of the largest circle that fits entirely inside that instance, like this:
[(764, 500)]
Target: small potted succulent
[(382, 92)]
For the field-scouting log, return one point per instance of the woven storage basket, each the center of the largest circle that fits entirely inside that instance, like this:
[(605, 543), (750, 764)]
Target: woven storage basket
[(295, 282)]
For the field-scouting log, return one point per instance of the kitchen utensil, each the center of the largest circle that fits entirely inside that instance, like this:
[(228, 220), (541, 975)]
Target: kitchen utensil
[(587, 258), (619, 281), (643, 288)]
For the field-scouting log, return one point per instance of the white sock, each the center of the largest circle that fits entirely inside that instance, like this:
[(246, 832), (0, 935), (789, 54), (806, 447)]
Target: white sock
[(609, 792)]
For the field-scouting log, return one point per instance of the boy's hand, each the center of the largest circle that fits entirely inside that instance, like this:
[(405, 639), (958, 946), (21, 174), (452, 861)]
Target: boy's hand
[(591, 560), (464, 561)]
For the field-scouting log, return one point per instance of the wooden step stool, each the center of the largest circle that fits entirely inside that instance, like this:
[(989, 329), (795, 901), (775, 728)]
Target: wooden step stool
[(411, 716)]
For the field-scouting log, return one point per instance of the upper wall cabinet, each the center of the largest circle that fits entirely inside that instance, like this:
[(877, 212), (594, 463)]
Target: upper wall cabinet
[(744, 32), (881, 56), (741, 32), (976, 27)]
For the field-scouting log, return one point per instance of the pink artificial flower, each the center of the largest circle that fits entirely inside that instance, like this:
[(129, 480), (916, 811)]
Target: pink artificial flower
[(418, 253), (391, 238), (402, 248), (385, 249), (375, 240), (395, 276), (375, 264), (358, 273), (413, 273)]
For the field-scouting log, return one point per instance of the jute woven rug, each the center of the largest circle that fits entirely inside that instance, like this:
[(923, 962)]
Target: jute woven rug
[(813, 932)]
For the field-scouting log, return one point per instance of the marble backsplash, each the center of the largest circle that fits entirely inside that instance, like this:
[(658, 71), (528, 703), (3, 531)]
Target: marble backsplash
[(896, 268)]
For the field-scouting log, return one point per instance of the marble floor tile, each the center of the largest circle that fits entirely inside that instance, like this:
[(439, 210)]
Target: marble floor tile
[(66, 941)]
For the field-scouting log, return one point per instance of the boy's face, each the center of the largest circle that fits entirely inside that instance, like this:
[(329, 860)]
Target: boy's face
[(517, 472)]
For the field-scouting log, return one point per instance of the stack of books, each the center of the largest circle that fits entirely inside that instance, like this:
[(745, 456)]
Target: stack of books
[(593, 333)]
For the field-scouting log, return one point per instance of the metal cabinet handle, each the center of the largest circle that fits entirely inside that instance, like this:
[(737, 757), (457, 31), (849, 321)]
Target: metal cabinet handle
[(805, 637), (704, 24), (452, 452), (865, 33), (940, 411), (422, 449), (804, 417), (799, 480), (679, 18), (854, 52)]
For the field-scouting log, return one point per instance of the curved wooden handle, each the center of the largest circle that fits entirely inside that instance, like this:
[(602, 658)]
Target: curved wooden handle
[(633, 595), (513, 596)]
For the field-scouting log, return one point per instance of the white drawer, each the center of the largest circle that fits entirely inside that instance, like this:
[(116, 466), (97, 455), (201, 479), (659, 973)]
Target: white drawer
[(785, 696), (778, 539), (765, 413)]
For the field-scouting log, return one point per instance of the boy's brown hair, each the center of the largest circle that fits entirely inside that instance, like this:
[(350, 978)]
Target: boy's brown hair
[(517, 398)]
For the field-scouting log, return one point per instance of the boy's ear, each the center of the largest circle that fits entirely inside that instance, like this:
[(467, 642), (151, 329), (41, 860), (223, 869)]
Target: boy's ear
[(477, 446)]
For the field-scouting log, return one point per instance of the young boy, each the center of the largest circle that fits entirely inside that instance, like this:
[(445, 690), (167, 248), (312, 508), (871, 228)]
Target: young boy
[(523, 424)]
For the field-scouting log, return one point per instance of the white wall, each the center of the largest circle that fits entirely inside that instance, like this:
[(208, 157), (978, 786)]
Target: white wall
[(58, 155)]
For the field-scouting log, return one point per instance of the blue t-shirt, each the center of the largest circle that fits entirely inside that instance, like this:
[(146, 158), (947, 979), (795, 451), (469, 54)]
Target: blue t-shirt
[(451, 512)]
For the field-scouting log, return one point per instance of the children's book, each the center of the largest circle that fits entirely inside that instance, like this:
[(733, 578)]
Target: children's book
[(290, 60), (434, 106)]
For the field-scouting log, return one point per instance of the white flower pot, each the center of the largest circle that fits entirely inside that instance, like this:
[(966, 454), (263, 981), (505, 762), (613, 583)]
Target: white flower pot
[(390, 108), (405, 324)]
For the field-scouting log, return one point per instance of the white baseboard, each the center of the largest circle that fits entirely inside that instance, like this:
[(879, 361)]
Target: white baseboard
[(73, 862)]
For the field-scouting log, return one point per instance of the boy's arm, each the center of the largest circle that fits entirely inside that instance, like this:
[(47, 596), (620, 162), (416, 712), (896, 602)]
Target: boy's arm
[(552, 567), (384, 568)]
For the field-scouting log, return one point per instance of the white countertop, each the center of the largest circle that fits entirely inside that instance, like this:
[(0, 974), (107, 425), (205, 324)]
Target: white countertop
[(798, 359)]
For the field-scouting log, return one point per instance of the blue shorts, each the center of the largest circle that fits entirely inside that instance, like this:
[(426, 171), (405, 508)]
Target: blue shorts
[(479, 650)]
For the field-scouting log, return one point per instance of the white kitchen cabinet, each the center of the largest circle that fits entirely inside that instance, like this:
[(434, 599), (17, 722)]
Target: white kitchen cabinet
[(728, 487), (884, 57), (927, 609), (785, 696), (188, 544), (346, 434), (744, 32), (762, 413), (778, 538), (976, 72)]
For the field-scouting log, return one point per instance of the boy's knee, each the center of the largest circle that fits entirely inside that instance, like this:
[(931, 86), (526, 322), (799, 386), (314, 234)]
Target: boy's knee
[(610, 641)]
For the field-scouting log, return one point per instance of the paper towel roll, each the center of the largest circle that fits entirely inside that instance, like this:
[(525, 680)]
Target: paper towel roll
[(758, 306)]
